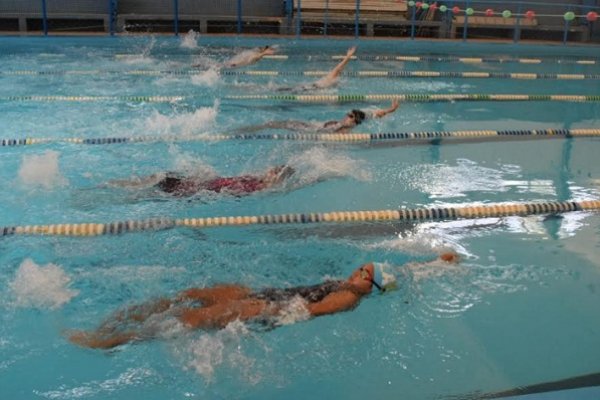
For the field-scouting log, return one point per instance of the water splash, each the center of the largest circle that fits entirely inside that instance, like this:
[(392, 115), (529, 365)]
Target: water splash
[(190, 40), (190, 164), (41, 170), (210, 77), (320, 164), (200, 120), (143, 57), (41, 286), (222, 348), (419, 242)]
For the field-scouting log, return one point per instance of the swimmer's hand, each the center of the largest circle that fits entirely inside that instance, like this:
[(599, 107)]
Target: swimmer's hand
[(351, 51)]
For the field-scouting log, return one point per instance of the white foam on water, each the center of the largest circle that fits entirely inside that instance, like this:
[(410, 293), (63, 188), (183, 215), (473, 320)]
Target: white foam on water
[(215, 349), (320, 164), (45, 287), (190, 164), (142, 57), (190, 40), (210, 77), (41, 170), (419, 242), (200, 120)]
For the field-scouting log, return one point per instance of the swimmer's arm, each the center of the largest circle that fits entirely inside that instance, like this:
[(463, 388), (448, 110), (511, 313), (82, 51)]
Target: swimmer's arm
[(333, 303), (391, 109), (340, 67)]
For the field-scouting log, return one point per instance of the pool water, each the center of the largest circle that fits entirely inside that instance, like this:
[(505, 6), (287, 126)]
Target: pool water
[(521, 307)]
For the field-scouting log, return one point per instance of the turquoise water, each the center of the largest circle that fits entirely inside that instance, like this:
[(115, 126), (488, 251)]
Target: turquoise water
[(520, 309)]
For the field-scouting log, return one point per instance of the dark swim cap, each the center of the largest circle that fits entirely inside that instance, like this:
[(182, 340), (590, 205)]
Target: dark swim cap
[(359, 116), (169, 184)]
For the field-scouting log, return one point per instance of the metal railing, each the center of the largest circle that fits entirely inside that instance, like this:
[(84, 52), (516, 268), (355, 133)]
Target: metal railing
[(514, 20)]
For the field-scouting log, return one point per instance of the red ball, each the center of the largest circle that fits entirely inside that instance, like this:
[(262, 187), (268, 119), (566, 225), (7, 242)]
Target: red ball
[(456, 9), (433, 7), (418, 4), (489, 12), (592, 16), (530, 14)]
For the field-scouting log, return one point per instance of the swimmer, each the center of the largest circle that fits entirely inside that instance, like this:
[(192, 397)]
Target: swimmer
[(246, 57), (179, 185), (249, 57), (352, 119), (217, 306), (328, 80)]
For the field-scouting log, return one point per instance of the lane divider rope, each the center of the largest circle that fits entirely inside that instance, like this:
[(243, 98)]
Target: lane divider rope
[(417, 58), (471, 60), (359, 74), (83, 99), (340, 98), (343, 98), (418, 214), (320, 137)]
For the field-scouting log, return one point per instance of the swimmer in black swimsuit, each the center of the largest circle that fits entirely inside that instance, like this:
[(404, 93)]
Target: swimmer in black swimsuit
[(350, 120), (215, 307)]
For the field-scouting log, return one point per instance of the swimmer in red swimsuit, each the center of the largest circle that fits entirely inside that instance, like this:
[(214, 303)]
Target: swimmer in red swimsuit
[(215, 307), (182, 186)]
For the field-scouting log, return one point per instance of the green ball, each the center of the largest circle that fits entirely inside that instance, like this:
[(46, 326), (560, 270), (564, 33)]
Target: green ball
[(443, 8), (424, 6), (569, 16), (506, 14), (469, 11), (411, 3)]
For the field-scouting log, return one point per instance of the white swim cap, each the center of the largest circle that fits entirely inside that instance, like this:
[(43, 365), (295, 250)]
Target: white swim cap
[(384, 278)]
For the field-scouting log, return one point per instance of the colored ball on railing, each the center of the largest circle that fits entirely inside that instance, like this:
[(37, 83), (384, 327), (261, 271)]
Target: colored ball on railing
[(411, 3), (530, 14), (489, 12), (443, 8), (418, 4), (424, 6), (569, 16), (591, 16), (456, 9), (469, 11), (433, 7), (506, 14)]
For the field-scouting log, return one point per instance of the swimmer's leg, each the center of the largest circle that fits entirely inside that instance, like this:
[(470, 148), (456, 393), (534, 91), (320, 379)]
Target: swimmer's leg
[(95, 340), (137, 314), (221, 314)]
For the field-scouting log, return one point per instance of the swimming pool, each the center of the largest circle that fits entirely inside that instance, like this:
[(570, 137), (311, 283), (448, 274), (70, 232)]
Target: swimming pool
[(520, 309)]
